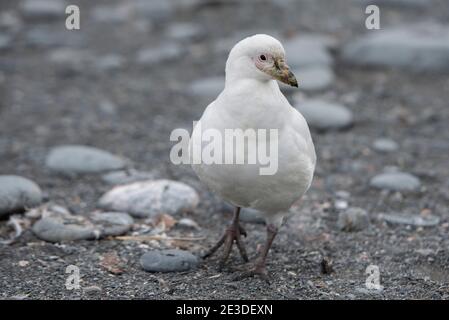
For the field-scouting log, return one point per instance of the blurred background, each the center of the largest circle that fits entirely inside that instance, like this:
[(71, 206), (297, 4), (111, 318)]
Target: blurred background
[(376, 102)]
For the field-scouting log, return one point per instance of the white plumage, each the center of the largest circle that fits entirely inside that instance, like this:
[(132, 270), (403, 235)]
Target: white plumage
[(252, 100)]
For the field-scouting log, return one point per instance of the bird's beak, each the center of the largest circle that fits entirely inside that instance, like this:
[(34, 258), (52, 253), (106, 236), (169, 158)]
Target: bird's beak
[(282, 72)]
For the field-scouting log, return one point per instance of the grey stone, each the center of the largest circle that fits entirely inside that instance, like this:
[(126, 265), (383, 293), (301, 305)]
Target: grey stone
[(156, 55), (150, 198), (5, 42), (185, 32), (251, 216), (43, 36), (112, 14), (353, 219), (208, 88), (323, 115), (18, 193), (385, 145), (307, 52), (155, 10), (395, 181), (402, 4), (171, 260), (126, 176), (412, 220), (77, 159), (57, 226), (417, 48), (43, 9), (314, 78), (112, 223), (67, 59), (110, 62)]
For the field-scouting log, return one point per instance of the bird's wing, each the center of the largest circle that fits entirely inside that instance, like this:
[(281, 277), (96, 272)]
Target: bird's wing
[(303, 139)]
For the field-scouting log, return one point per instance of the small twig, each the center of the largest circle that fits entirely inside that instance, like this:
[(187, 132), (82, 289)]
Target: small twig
[(157, 237)]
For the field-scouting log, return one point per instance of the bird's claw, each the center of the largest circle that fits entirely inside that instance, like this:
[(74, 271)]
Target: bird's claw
[(232, 234)]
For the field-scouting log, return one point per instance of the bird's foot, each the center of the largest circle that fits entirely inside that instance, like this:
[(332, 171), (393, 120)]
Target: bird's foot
[(254, 270), (232, 234)]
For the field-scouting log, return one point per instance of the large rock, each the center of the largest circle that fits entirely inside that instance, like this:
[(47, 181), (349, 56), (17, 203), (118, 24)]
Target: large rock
[(77, 159), (150, 198), (314, 78), (171, 260), (411, 220), (416, 48), (395, 181), (324, 115), (18, 193)]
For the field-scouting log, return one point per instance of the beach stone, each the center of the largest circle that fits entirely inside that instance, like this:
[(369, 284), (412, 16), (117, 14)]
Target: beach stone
[(61, 226), (43, 9), (395, 181), (109, 62), (154, 55), (126, 176), (43, 36), (155, 10), (112, 223), (18, 193), (385, 145), (401, 4), (171, 260), (419, 48), (185, 32), (150, 198), (112, 14), (412, 220), (314, 78), (78, 159), (353, 219), (324, 115), (251, 216), (208, 87), (5, 42), (306, 52)]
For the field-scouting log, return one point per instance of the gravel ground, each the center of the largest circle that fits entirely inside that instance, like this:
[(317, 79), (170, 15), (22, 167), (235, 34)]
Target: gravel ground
[(130, 111)]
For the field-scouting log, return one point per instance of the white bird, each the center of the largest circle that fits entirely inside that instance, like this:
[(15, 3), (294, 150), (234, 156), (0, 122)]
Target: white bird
[(252, 99)]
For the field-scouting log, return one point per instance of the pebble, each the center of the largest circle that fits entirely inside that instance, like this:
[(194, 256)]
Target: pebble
[(126, 176), (353, 219), (395, 181), (56, 226), (18, 193), (74, 60), (78, 159), (251, 216), (43, 9), (188, 32), (112, 14), (155, 55), (420, 48), (150, 198), (306, 52), (188, 223), (43, 36), (208, 88), (171, 260), (112, 223), (315, 78), (412, 220), (324, 115), (5, 42), (385, 145), (109, 62)]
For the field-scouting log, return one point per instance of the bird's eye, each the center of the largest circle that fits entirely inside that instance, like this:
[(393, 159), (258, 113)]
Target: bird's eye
[(263, 57)]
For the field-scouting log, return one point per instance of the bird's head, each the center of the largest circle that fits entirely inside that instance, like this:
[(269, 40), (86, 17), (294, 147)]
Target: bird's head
[(259, 57)]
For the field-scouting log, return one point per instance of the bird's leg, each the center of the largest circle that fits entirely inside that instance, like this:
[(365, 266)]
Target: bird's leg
[(232, 233), (259, 267)]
